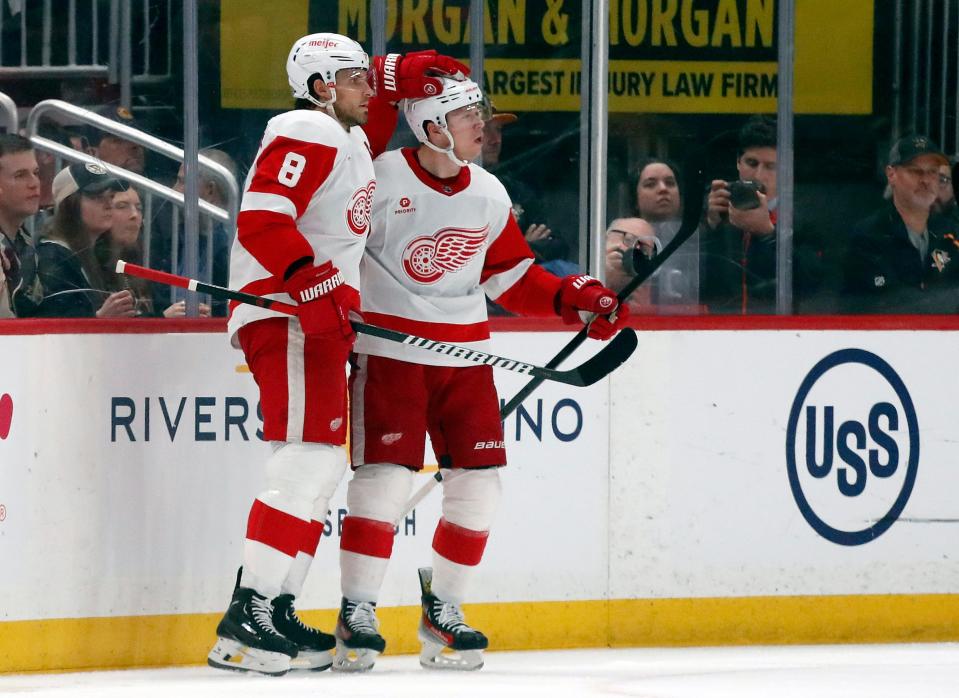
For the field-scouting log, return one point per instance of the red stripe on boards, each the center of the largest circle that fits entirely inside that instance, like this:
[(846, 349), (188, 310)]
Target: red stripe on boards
[(367, 537), (460, 545), (277, 529)]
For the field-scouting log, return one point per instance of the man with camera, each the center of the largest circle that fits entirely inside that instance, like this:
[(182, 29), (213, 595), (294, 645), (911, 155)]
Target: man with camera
[(631, 243), (739, 231)]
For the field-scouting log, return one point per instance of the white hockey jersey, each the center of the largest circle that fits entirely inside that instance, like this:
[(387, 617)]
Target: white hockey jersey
[(436, 249), (309, 194)]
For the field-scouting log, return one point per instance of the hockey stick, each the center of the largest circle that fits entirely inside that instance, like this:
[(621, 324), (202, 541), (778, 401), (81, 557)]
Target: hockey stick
[(592, 370), (682, 236), (691, 215)]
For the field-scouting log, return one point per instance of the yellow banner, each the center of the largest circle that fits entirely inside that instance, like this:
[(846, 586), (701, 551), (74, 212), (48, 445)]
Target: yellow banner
[(636, 86), (688, 60), (254, 43)]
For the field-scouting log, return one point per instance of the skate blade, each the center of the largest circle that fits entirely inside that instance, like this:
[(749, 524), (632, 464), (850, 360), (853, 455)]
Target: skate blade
[(437, 657), (353, 660), (235, 656), (312, 660)]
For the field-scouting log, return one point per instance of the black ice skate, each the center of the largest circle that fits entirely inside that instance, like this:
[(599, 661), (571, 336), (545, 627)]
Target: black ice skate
[(358, 639), (315, 647), (247, 640), (448, 642)]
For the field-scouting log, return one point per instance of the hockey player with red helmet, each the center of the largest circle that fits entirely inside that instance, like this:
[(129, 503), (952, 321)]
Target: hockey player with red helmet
[(302, 227), (443, 238)]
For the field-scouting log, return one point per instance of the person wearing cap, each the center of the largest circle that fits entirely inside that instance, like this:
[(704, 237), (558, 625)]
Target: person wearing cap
[(73, 283), (902, 258), (550, 250), (115, 150), (493, 136)]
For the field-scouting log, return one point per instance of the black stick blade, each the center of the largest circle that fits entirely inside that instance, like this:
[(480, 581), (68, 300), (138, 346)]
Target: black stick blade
[(611, 357)]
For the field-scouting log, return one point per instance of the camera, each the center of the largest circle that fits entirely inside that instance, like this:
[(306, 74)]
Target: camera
[(745, 195)]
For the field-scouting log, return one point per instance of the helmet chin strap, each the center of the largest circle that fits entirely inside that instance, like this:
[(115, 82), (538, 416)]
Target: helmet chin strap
[(449, 151), (326, 106)]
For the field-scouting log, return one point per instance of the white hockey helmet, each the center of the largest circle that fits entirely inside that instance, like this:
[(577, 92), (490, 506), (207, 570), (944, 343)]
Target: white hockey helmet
[(455, 95), (322, 54)]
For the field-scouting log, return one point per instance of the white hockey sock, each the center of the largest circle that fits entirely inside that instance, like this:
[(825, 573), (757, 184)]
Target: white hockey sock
[(450, 580), (264, 568), (361, 576), (293, 584)]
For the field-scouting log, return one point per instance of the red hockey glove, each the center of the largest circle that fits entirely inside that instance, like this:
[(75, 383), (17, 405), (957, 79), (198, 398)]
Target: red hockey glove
[(325, 302), (584, 293), (397, 76), (605, 326)]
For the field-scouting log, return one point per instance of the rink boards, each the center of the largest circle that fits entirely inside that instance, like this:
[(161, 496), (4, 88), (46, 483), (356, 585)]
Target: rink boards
[(735, 485)]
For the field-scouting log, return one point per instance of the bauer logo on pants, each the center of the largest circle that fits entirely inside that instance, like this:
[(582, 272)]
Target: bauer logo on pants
[(852, 447)]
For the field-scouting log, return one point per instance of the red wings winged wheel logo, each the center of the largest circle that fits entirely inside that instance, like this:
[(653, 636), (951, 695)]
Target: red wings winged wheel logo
[(427, 258)]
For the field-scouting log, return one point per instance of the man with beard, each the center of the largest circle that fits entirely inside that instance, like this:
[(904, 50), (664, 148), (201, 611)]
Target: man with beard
[(902, 258)]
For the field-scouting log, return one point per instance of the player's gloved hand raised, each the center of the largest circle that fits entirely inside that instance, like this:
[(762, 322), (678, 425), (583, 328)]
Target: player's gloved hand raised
[(408, 76), (325, 302), (583, 293)]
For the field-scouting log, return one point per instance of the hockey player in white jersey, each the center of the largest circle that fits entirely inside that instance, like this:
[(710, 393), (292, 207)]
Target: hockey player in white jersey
[(303, 223), (443, 238)]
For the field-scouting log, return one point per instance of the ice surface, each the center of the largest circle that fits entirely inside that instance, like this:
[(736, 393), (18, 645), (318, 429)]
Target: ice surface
[(848, 671)]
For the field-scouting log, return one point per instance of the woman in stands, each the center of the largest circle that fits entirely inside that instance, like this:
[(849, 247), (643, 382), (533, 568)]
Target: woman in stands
[(73, 282), (123, 241)]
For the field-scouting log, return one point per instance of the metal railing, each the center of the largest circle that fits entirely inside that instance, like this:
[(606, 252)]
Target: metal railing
[(65, 39), (9, 113), (74, 57), (52, 107), (150, 188)]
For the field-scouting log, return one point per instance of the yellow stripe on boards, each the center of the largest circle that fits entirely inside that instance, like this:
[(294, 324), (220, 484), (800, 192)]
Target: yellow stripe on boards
[(149, 641)]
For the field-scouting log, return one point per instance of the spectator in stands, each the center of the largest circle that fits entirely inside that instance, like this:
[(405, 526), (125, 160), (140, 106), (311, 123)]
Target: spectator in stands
[(73, 283), (493, 137), (19, 199), (48, 165), (656, 184), (902, 258), (212, 233), (675, 288), (945, 203), (551, 250), (123, 241), (113, 149), (739, 232), (630, 243)]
